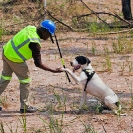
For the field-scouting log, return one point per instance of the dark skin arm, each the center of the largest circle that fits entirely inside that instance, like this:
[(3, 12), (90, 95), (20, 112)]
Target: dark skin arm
[(35, 48)]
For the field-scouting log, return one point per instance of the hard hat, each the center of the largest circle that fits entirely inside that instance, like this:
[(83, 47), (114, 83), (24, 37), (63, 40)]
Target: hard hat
[(49, 25)]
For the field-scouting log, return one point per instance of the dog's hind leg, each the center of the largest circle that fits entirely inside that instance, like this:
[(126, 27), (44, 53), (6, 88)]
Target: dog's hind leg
[(113, 103), (83, 99)]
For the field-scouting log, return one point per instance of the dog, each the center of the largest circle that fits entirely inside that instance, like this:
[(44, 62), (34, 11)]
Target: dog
[(93, 84)]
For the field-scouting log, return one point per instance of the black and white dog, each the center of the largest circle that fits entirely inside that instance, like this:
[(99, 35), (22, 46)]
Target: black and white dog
[(93, 84)]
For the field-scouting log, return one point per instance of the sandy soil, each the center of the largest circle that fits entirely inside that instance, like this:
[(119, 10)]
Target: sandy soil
[(58, 100)]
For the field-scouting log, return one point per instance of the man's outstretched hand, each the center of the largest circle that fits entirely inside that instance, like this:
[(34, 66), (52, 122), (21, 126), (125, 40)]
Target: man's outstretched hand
[(59, 70)]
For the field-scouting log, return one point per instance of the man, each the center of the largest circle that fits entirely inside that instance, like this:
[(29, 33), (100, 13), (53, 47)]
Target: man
[(23, 46)]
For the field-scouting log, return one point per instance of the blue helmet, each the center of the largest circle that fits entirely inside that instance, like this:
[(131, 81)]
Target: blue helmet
[(49, 25)]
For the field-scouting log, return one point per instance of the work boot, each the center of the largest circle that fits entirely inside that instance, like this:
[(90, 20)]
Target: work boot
[(28, 110), (0, 108)]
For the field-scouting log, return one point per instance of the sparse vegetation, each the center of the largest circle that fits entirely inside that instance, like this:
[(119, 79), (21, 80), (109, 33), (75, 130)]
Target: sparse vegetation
[(56, 99)]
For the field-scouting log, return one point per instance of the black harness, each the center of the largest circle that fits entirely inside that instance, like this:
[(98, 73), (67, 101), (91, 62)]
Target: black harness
[(89, 73)]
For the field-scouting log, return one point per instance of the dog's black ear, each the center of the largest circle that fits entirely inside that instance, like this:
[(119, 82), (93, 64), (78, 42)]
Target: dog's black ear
[(87, 60), (82, 60)]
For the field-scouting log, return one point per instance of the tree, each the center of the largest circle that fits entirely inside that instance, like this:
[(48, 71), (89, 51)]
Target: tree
[(126, 9)]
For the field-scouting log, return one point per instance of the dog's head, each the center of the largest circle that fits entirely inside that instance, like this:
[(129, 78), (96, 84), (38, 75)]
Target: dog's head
[(80, 62)]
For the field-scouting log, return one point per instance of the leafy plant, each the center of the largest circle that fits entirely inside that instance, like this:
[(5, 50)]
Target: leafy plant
[(23, 123), (130, 66), (2, 127), (61, 100), (57, 96), (122, 46), (131, 91), (122, 66), (1, 32), (89, 128), (11, 129), (54, 125), (107, 64), (93, 48), (3, 101), (94, 27)]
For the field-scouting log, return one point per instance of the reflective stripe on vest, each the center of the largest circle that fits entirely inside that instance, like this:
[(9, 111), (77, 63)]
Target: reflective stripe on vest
[(5, 77), (26, 41), (25, 81), (21, 45), (17, 49)]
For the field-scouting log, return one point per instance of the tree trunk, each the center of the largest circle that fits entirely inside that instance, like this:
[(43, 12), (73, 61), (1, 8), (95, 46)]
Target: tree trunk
[(126, 9)]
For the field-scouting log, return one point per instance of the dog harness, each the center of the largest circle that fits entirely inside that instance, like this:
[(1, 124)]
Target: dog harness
[(89, 73)]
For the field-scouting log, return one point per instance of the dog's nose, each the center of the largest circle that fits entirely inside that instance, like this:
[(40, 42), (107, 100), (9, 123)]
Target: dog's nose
[(71, 63)]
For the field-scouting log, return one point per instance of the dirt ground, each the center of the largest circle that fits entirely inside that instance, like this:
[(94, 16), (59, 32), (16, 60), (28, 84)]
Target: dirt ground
[(58, 100)]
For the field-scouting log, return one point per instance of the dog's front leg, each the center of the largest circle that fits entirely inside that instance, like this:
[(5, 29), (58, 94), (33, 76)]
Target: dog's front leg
[(83, 99), (73, 75), (78, 79)]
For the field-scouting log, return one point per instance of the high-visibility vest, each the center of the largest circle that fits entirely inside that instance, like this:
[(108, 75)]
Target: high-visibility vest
[(17, 49)]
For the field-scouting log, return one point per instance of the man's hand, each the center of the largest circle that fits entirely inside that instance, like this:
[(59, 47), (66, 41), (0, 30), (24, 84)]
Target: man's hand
[(45, 67), (64, 69), (58, 70)]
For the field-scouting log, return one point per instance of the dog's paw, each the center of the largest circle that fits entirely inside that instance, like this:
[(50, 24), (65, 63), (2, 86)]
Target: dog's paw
[(125, 114), (63, 69), (120, 113)]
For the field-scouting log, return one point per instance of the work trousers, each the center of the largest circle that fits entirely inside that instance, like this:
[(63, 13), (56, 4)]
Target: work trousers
[(22, 72)]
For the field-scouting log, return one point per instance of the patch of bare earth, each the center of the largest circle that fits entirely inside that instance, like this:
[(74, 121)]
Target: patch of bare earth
[(58, 100)]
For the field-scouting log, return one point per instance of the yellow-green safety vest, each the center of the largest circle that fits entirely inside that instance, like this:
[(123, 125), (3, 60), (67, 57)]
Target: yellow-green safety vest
[(17, 49)]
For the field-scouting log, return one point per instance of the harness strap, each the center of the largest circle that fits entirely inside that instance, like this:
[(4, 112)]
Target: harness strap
[(86, 84), (89, 73)]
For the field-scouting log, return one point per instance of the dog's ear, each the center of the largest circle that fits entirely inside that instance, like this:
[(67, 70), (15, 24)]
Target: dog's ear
[(87, 60), (82, 60)]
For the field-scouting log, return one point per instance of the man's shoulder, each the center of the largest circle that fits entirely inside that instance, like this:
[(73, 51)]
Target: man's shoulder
[(30, 28)]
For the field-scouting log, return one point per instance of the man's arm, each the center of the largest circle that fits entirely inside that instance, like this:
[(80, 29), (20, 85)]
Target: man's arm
[(35, 48)]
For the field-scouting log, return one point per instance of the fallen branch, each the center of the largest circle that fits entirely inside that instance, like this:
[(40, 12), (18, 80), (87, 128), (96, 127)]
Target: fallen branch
[(94, 12), (129, 24), (108, 13), (83, 15), (122, 19), (123, 31), (58, 20)]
